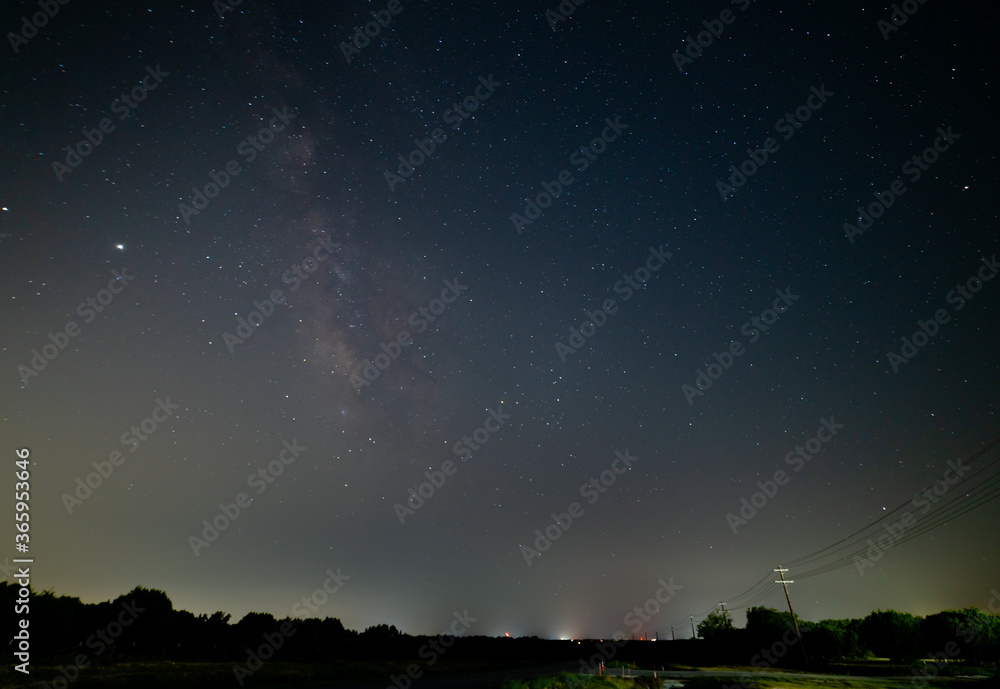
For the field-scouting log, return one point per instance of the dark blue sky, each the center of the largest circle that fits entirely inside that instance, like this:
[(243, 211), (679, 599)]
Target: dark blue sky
[(686, 295)]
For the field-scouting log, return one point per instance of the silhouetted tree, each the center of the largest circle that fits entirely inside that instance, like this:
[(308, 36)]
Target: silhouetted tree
[(968, 634), (254, 624), (717, 625), (764, 625), (891, 634), (380, 633), (150, 627), (832, 639), (65, 618), (62, 626)]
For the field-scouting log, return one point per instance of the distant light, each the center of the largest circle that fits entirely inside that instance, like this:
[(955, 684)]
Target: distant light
[(120, 247)]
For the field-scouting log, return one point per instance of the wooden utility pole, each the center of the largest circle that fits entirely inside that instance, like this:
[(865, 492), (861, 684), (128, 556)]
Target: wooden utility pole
[(694, 634), (673, 637), (784, 583)]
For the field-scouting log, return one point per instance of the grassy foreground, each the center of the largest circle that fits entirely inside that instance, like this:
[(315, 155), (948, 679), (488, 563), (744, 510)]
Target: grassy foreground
[(569, 681), (754, 679), (164, 675), (200, 675)]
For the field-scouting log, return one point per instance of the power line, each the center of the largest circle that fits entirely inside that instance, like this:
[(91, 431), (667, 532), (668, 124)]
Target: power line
[(987, 490), (906, 528), (784, 584), (842, 543)]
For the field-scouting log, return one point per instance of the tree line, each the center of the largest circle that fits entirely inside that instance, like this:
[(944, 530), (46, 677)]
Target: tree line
[(968, 634), (144, 624)]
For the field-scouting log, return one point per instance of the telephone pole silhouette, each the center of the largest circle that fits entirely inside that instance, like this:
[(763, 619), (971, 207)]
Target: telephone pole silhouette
[(784, 584), (694, 634)]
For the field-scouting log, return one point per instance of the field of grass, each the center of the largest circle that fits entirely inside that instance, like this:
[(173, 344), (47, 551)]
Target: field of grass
[(167, 674), (164, 675), (577, 682), (882, 675), (569, 681), (836, 683)]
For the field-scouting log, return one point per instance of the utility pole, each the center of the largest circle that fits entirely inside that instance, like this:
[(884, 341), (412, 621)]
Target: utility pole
[(673, 637), (722, 605), (784, 583), (694, 634)]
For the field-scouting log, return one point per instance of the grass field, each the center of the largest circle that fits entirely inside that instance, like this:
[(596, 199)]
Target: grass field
[(161, 675), (759, 682), (164, 674)]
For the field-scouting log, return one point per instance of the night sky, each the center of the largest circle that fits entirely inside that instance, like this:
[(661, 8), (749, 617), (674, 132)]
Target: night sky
[(577, 275)]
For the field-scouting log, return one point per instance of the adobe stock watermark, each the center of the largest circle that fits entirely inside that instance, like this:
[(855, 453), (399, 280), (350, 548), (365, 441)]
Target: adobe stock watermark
[(900, 15), (957, 297), (10, 570), (123, 106), (644, 613), (592, 490), (98, 642), (606, 650), (951, 650), (31, 26), (565, 9), (714, 28), (753, 329), (940, 659), (914, 168), (453, 117), (420, 320), (132, 438), (624, 288), (432, 650), (787, 126), (20, 644), (87, 310), (274, 641), (462, 448), (923, 500), (581, 159), (363, 36), (767, 657), (797, 458), (318, 598), (223, 6), (296, 274), (249, 148), (260, 480)]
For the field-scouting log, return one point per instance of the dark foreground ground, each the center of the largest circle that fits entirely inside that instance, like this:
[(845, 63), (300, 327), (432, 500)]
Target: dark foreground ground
[(501, 674)]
